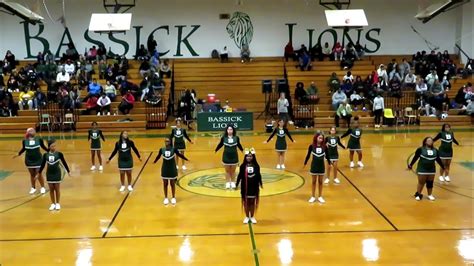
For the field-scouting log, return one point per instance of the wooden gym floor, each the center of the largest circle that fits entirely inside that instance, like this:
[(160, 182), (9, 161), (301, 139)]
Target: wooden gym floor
[(370, 218)]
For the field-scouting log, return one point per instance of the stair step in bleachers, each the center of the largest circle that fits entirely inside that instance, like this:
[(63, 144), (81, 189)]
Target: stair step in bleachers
[(453, 120)]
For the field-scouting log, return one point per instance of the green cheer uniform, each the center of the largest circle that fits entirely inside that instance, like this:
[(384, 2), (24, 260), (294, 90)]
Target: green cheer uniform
[(426, 165), (446, 147), (281, 133), (354, 139), (124, 150), (53, 160), (317, 162), (332, 142), (33, 155), (179, 134), (230, 155), (168, 168), (94, 136)]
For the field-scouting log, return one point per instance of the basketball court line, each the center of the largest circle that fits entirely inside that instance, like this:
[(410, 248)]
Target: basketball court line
[(254, 245), (23, 203), (125, 198), (368, 200)]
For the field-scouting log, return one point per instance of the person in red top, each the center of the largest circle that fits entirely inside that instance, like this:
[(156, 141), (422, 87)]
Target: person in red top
[(127, 103), (91, 105), (337, 51), (289, 52)]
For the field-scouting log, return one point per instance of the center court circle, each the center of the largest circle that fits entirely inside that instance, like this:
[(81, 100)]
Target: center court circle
[(211, 182)]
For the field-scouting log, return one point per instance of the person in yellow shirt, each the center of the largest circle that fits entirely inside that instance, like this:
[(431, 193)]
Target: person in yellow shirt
[(26, 99)]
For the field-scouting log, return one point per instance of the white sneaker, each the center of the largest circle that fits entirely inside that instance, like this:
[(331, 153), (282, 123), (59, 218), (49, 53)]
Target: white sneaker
[(246, 220), (282, 166), (312, 200), (108, 113), (441, 178), (447, 179), (360, 164), (52, 207), (184, 167), (130, 188), (227, 185), (326, 181), (58, 207), (431, 197), (253, 220), (42, 190), (101, 168), (336, 180), (291, 122), (32, 190), (122, 188), (351, 165), (166, 201), (232, 185), (321, 200), (98, 114), (278, 166), (418, 198), (173, 201), (93, 168)]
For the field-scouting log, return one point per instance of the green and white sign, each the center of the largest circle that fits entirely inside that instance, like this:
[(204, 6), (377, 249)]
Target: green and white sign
[(210, 121)]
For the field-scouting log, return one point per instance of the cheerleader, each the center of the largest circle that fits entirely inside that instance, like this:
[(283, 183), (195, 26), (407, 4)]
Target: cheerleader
[(94, 137), (251, 178), (445, 150), (54, 175), (354, 142), (31, 145), (125, 159), (179, 134), (319, 151), (280, 145), (169, 172), (331, 142), (426, 168), (230, 157)]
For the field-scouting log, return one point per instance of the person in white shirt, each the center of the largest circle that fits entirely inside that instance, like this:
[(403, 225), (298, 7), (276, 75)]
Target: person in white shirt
[(431, 77), (282, 107), (381, 72), (349, 77), (70, 68), (63, 77), (104, 104), (421, 89), (378, 108), (224, 54), (410, 80)]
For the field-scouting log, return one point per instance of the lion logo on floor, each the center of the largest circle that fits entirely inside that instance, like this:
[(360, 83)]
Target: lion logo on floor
[(240, 29)]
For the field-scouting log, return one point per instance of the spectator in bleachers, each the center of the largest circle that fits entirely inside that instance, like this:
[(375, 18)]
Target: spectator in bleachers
[(392, 70), (110, 91), (417, 58), (51, 70), (421, 90), (151, 44), (109, 74), (347, 87), (101, 53), (155, 62), (327, 51), (316, 52), (9, 62), (75, 96), (350, 51), (245, 54), (445, 83), (431, 78), (337, 98), (468, 68), (49, 57), (348, 76), (92, 54), (371, 79), (382, 84), (128, 100), (25, 99), (312, 93), (224, 55), (356, 99), (289, 52), (40, 99), (7, 104), (404, 68), (382, 73), (145, 87), (13, 85), (102, 69), (300, 93), (395, 87), (304, 62), (157, 83), (338, 51), (104, 103), (91, 105), (359, 50), (93, 89), (40, 58), (282, 108), (378, 107), (144, 69), (437, 96), (334, 83), (142, 54), (344, 111), (71, 53), (70, 68), (409, 81), (360, 86), (165, 69)]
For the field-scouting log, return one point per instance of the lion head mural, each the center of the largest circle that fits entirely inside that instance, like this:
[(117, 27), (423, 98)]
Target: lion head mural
[(240, 29)]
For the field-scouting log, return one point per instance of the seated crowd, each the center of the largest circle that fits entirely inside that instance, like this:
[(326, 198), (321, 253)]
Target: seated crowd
[(70, 81)]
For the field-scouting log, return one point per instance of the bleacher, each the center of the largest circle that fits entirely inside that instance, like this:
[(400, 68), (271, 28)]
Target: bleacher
[(241, 84)]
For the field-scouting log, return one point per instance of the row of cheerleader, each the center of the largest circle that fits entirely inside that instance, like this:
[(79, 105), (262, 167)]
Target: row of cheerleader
[(323, 152)]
